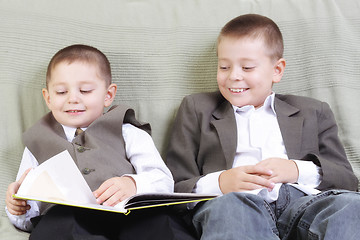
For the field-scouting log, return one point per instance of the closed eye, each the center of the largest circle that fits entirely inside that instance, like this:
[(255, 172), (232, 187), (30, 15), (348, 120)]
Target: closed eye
[(85, 91), (223, 67), (248, 68)]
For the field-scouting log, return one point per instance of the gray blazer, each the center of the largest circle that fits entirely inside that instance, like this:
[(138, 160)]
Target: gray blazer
[(203, 139)]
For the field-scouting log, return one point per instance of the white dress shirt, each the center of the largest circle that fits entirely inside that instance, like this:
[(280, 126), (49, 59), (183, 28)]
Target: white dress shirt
[(259, 137), (152, 175)]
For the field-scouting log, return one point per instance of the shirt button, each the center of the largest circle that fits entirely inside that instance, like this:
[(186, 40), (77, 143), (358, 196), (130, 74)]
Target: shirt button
[(81, 149), (87, 171)]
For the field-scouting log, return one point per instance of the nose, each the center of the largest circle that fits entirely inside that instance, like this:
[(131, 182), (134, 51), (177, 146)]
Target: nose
[(236, 74), (73, 97)]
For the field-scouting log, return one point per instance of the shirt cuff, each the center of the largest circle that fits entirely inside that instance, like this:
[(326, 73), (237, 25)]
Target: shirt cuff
[(209, 184), (158, 183), (23, 221), (142, 186), (309, 173)]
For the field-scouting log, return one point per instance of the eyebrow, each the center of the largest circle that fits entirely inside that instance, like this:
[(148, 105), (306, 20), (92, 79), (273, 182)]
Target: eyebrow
[(241, 59)]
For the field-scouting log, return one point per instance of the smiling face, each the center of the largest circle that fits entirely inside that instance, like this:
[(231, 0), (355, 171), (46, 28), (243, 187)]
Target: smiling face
[(245, 72), (77, 94)]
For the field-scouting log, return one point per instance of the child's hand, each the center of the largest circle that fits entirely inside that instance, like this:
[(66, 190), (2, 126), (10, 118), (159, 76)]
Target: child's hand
[(245, 178), (284, 170), (115, 190), (16, 206)]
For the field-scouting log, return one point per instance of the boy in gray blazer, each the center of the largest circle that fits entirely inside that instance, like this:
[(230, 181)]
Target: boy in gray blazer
[(275, 160)]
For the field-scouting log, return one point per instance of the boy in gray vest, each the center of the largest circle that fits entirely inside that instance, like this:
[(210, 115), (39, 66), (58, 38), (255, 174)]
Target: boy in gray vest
[(114, 152)]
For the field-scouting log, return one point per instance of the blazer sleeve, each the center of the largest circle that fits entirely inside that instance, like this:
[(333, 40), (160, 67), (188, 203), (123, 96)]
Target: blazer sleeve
[(183, 147), (336, 169)]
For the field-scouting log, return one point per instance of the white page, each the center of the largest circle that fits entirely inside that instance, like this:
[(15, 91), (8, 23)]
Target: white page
[(59, 176)]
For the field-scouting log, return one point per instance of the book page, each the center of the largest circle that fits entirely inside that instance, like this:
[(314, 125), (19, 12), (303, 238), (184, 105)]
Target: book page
[(48, 188), (58, 178), (146, 200)]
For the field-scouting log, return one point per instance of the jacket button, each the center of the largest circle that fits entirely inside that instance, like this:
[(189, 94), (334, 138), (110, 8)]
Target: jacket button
[(87, 171), (81, 149)]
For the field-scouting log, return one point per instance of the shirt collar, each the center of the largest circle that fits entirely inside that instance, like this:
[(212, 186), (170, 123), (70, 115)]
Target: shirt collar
[(268, 104), (70, 132)]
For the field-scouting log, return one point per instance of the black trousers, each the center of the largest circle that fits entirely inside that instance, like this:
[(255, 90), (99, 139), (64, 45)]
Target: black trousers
[(63, 222)]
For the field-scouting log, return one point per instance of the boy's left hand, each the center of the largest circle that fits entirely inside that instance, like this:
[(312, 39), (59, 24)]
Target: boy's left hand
[(115, 190), (284, 170)]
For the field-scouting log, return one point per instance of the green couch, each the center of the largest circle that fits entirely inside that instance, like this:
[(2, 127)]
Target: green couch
[(162, 50)]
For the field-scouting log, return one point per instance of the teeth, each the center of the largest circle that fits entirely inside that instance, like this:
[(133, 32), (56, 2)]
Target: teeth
[(237, 89)]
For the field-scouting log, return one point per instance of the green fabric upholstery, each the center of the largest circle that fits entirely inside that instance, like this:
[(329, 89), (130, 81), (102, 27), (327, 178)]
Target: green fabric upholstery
[(162, 50)]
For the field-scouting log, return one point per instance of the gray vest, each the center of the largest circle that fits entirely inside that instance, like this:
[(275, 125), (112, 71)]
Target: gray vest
[(99, 152)]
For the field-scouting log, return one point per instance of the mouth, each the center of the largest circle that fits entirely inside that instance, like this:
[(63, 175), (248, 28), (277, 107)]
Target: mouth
[(238, 90), (74, 111)]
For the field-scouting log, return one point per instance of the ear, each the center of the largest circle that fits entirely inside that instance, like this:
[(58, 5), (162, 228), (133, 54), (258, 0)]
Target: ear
[(279, 69), (110, 95), (46, 97)]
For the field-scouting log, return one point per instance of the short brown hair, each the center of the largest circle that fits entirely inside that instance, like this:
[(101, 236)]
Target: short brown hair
[(256, 26), (83, 53)]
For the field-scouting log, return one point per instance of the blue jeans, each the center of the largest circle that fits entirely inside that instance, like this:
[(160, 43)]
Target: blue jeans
[(333, 214)]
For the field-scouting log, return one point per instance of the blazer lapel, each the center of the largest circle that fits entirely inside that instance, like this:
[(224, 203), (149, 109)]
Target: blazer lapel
[(290, 126), (225, 125)]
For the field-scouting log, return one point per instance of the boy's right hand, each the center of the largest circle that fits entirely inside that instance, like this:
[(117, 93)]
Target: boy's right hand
[(16, 206), (245, 178)]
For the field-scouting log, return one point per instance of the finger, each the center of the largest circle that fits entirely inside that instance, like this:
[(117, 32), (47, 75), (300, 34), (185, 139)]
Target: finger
[(24, 176), (276, 179), (13, 212), (103, 188), (107, 194), (261, 181), (249, 186), (115, 199), (12, 189), (20, 209), (17, 209), (257, 170), (17, 202)]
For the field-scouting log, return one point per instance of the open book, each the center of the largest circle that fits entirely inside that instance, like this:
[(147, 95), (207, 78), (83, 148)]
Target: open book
[(59, 181)]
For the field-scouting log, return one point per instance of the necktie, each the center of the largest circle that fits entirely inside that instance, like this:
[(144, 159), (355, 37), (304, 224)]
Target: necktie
[(78, 131)]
